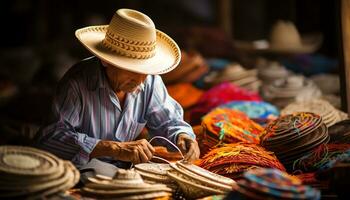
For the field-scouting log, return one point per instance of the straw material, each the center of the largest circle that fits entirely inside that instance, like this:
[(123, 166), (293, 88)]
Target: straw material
[(269, 71), (329, 114), (235, 74), (132, 43), (284, 39), (126, 184), (153, 168), (192, 188), (202, 178), (286, 90), (206, 174), (33, 173)]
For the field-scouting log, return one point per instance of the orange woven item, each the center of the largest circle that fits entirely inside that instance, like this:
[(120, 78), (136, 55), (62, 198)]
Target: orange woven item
[(185, 93), (231, 159)]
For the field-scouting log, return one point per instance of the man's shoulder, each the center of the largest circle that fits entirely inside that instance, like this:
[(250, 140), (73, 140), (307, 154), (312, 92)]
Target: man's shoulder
[(83, 67), (82, 72)]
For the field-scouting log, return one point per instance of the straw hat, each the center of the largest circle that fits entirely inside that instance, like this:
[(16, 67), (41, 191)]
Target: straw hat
[(284, 38), (131, 42)]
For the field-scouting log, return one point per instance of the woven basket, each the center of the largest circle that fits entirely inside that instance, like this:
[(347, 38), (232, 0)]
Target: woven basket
[(192, 188)]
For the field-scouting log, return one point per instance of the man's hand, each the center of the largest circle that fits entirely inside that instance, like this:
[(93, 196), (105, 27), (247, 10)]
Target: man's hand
[(139, 151), (188, 146)]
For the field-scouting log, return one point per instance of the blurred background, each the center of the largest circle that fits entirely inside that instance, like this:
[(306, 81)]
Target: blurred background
[(38, 46)]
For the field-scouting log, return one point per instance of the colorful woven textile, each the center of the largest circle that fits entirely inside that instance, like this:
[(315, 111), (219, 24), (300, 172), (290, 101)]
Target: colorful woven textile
[(293, 136), (259, 111), (319, 156), (185, 93), (274, 184), (218, 95), (231, 160), (228, 126)]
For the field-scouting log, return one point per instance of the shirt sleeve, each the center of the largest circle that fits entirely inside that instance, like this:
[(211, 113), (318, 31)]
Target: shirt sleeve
[(165, 115), (61, 136)]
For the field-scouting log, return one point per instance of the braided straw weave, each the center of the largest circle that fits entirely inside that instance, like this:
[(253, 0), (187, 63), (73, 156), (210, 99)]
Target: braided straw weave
[(131, 42)]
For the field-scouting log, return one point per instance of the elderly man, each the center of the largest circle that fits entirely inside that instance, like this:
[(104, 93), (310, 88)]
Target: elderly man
[(103, 103)]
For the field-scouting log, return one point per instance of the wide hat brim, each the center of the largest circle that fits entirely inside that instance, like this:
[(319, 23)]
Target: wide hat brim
[(309, 44), (167, 53)]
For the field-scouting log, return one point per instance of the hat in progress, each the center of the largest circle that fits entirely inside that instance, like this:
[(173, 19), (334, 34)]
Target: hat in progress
[(131, 42)]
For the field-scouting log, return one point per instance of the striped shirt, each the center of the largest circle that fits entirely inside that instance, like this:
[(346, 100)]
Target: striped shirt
[(87, 110)]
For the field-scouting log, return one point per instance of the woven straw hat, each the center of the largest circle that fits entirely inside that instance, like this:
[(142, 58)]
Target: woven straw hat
[(131, 42), (284, 38)]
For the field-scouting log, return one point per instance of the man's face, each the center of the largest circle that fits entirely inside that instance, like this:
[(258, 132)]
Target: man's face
[(122, 80)]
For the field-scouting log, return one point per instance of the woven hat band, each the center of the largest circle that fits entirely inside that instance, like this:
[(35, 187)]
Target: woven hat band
[(132, 34)]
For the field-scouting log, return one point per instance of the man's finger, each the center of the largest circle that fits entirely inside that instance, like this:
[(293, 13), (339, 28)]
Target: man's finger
[(136, 158), (182, 145), (151, 148), (142, 155), (190, 151), (149, 151)]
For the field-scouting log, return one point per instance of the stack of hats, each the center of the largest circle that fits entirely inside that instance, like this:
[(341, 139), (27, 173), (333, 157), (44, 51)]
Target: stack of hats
[(269, 71), (274, 184), (191, 68), (31, 173), (323, 82), (218, 95), (235, 74), (319, 157), (232, 160), (286, 90), (127, 184), (339, 133), (259, 111), (155, 173), (329, 114), (185, 93), (228, 126), (292, 136), (196, 182)]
